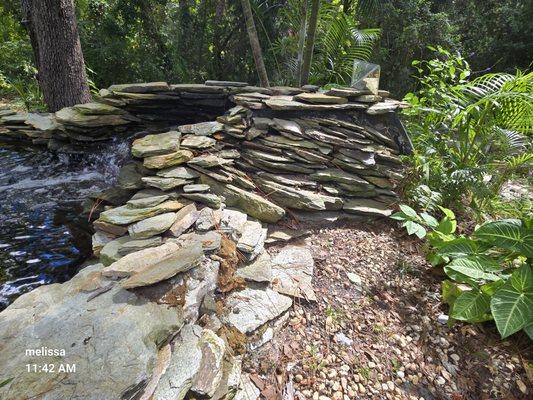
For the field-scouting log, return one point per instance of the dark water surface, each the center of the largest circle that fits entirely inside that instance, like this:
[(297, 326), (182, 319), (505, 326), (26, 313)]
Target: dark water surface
[(43, 237)]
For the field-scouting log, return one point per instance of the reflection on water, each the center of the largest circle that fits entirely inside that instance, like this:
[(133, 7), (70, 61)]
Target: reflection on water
[(43, 238)]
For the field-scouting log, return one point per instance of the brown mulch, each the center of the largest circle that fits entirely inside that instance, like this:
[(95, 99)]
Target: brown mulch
[(380, 338)]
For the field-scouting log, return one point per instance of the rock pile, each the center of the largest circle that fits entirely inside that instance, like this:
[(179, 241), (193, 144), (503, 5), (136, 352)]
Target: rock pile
[(186, 283), (157, 105)]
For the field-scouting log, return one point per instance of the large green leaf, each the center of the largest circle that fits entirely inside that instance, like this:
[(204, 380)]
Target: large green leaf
[(472, 306), (528, 329), (415, 228), (460, 247), (408, 211), (507, 234), (475, 267), (512, 304)]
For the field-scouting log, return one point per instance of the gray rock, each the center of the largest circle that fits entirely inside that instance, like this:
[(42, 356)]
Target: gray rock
[(144, 202), (199, 282), (111, 250), (99, 240), (209, 199), (178, 172), (134, 262), (252, 240), (197, 142), (202, 128), (340, 176), (207, 219), (251, 203), (209, 374), (153, 145), (164, 183), (287, 126), (125, 215), (299, 198), (111, 229), (181, 260), (69, 116), (278, 234), (184, 364), (168, 160), (259, 270), (151, 226), (247, 390), (287, 104), (115, 328), (250, 308), (129, 177), (232, 222), (367, 207), (136, 245), (196, 188), (225, 83), (97, 109), (292, 272), (210, 240), (320, 98), (147, 87), (185, 218), (42, 122), (209, 161)]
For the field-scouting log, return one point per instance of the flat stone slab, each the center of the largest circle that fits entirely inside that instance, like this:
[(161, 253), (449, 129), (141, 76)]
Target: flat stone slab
[(132, 246), (178, 172), (367, 207), (250, 308), (251, 203), (181, 260), (168, 160), (185, 218), (284, 103), (153, 145), (292, 272), (112, 339), (320, 98), (197, 142), (210, 240), (232, 222), (209, 374), (125, 215), (183, 366), (148, 87), (131, 263), (164, 183), (252, 240), (259, 270), (151, 226), (202, 128)]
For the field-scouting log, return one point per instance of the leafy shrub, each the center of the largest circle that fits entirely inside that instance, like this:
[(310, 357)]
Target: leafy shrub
[(490, 271), (470, 137)]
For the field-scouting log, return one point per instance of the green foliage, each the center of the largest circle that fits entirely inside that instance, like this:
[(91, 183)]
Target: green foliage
[(491, 273), (470, 136), (339, 43)]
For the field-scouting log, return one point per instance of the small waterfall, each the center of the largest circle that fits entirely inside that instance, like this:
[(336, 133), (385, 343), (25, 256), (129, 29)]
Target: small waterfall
[(43, 238)]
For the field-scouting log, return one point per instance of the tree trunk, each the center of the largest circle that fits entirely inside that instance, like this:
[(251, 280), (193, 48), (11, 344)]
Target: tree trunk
[(254, 43), (310, 42), (56, 43), (301, 40)]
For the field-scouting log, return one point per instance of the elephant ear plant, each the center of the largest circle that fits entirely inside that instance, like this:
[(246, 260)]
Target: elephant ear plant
[(490, 272)]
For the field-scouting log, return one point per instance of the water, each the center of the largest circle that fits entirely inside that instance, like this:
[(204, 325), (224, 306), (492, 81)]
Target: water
[(43, 237)]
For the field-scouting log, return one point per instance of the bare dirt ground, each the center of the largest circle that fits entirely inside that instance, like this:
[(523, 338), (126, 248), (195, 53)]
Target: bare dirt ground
[(377, 331)]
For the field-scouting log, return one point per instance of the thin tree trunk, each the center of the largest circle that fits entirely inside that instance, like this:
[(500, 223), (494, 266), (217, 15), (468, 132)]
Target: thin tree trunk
[(301, 40), (254, 43), (310, 42), (54, 34), (26, 21)]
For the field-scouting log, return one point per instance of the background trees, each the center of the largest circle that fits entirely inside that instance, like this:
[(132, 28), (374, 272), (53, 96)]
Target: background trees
[(182, 40)]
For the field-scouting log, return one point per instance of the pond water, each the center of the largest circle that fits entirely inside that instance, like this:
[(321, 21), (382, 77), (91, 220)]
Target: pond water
[(43, 237)]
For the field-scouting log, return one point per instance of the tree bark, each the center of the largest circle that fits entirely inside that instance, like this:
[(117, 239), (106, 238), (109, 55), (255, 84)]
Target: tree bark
[(310, 42), (53, 32), (254, 43), (301, 40)]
